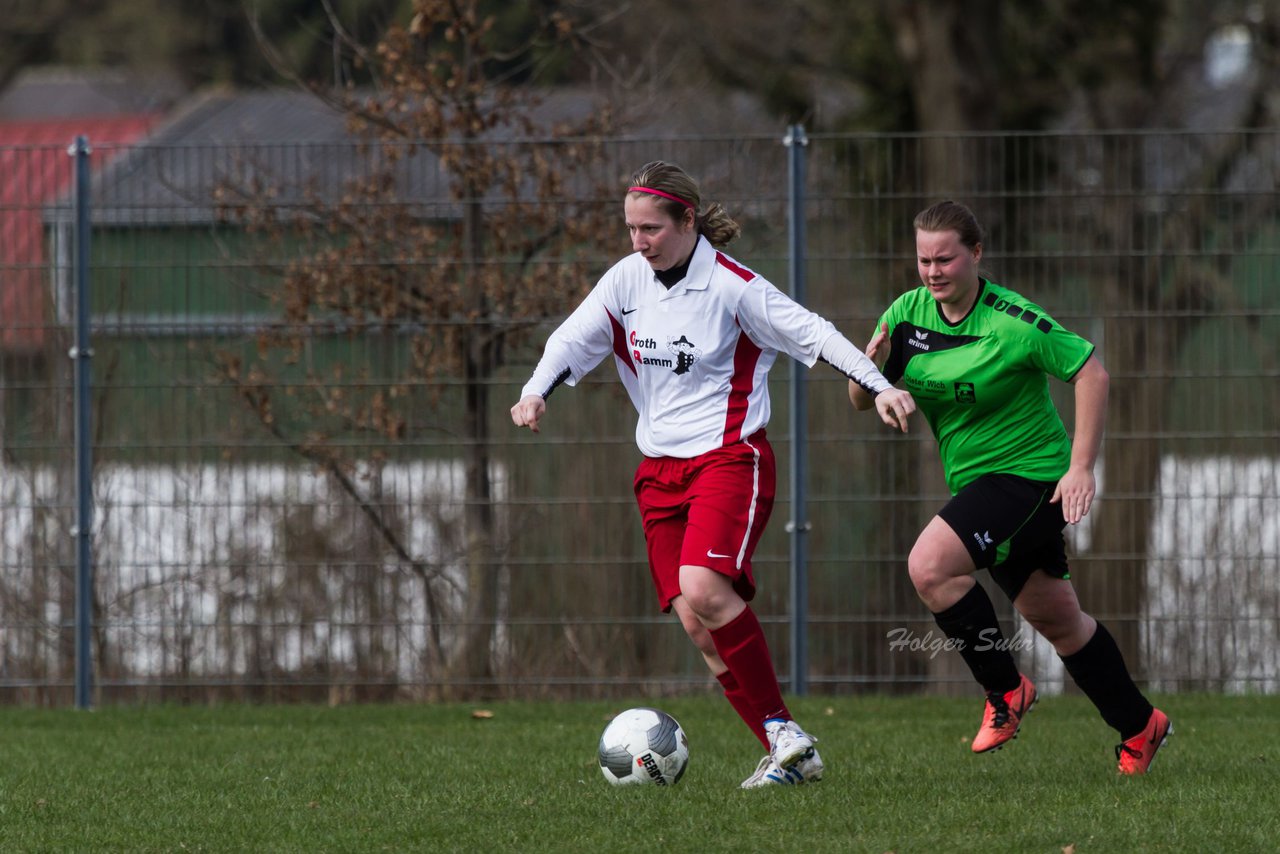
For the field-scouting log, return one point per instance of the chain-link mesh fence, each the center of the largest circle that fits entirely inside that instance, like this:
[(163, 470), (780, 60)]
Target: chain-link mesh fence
[(307, 485)]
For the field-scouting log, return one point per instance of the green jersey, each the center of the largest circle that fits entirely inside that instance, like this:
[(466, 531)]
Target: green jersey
[(982, 383)]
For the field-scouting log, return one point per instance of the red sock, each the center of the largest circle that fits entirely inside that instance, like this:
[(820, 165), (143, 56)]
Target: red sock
[(741, 645), (738, 699)]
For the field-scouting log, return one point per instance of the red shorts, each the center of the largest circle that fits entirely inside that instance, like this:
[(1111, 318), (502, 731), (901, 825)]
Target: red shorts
[(706, 511)]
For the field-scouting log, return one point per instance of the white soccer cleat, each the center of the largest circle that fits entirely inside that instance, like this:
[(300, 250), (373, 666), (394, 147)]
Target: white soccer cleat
[(810, 768), (769, 774), (788, 744)]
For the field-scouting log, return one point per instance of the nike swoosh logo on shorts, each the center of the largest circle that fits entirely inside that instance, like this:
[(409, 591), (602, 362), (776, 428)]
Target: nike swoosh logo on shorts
[(713, 554)]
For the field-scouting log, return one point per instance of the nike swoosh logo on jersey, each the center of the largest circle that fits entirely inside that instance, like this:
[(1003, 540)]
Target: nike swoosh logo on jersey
[(627, 311), (713, 554)]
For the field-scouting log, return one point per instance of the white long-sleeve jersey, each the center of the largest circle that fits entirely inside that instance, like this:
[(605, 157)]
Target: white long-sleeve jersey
[(694, 358)]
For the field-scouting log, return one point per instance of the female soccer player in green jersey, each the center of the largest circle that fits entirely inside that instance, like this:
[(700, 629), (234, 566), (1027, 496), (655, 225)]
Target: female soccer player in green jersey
[(975, 356)]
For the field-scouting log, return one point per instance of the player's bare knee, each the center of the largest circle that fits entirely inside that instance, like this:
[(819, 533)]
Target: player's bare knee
[(1056, 628), (704, 597), (1046, 627), (704, 603), (926, 575)]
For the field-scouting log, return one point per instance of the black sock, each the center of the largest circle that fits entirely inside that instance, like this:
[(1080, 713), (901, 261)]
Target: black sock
[(972, 621), (1098, 668)]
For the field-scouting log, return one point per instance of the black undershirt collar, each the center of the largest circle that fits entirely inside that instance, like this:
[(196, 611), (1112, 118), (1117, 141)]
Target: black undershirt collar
[(672, 276)]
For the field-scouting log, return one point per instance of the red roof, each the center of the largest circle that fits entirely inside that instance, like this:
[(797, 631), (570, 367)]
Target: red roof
[(34, 169)]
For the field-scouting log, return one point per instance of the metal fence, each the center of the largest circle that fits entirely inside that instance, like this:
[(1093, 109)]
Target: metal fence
[(295, 503)]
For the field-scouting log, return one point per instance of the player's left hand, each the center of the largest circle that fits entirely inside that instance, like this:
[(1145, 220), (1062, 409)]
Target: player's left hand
[(894, 405), (1075, 493)]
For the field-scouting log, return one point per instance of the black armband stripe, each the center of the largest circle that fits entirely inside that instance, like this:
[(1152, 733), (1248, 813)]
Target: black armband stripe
[(852, 378), (564, 375)]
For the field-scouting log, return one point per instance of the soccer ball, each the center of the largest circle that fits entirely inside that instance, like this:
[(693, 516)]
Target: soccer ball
[(643, 746)]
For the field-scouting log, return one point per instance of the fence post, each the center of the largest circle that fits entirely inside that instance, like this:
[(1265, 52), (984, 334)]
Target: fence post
[(798, 526), (81, 353)]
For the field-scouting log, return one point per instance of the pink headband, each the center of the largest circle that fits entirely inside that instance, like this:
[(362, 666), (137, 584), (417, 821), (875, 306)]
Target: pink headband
[(653, 192)]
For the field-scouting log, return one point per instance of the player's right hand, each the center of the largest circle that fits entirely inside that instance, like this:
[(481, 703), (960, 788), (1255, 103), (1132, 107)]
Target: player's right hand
[(894, 406), (528, 411)]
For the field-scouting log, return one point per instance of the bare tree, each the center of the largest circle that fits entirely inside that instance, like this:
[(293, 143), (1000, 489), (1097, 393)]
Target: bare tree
[(471, 221)]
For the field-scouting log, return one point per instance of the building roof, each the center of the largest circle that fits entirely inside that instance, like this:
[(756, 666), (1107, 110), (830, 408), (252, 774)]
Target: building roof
[(37, 170), (289, 140), (223, 143), (56, 92)]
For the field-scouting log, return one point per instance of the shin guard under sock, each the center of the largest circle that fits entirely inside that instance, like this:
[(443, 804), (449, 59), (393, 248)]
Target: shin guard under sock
[(741, 646), (738, 699), (1098, 668), (972, 623)]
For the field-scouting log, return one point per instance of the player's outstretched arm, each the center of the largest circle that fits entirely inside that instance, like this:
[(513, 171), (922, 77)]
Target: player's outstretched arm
[(529, 411), (877, 351)]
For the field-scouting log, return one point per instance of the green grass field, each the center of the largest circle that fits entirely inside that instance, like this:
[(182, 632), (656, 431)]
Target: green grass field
[(433, 778)]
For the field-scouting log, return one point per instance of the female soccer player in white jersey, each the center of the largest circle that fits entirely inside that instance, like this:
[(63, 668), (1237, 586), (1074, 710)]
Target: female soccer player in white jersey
[(976, 355), (693, 334)]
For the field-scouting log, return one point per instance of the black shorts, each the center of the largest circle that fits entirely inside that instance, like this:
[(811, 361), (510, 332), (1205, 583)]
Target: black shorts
[(1008, 525)]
